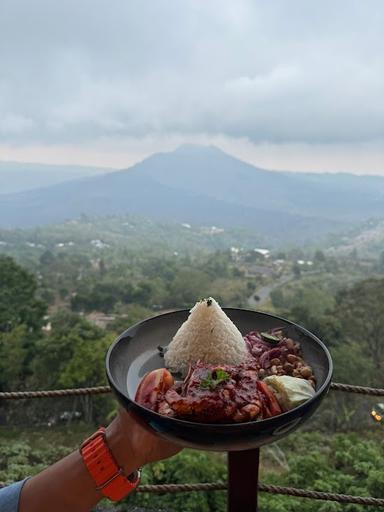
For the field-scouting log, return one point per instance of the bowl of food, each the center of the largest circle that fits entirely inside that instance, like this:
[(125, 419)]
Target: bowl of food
[(219, 379)]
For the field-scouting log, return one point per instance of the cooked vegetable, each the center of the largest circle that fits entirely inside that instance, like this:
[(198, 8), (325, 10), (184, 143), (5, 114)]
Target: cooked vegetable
[(266, 336), (271, 405), (153, 385), (214, 378), (290, 391)]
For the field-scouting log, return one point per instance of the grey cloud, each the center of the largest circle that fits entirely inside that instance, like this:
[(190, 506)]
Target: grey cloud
[(270, 71)]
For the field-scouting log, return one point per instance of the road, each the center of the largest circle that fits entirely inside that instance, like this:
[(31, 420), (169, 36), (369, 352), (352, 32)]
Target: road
[(265, 291)]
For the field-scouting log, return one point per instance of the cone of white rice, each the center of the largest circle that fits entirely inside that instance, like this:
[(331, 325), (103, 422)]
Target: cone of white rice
[(207, 335)]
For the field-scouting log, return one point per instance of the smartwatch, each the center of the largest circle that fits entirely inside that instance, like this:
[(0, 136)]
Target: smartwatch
[(101, 465)]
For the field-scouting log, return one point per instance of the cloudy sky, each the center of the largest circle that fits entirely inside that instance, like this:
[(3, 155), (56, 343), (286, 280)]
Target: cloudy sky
[(293, 84)]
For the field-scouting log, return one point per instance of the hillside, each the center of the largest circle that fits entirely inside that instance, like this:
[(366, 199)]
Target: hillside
[(205, 186), (116, 234), (366, 241)]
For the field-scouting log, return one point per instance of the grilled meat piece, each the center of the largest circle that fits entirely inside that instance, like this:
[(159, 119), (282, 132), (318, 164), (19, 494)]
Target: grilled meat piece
[(218, 394)]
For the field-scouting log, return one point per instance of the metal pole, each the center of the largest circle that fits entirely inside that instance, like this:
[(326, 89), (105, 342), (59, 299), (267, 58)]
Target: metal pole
[(243, 479)]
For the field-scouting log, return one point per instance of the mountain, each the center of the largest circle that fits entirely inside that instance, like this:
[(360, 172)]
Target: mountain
[(18, 177), (365, 241), (212, 172), (205, 186)]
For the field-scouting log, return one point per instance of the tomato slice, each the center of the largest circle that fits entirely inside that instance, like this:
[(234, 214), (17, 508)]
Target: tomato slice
[(272, 405), (152, 386)]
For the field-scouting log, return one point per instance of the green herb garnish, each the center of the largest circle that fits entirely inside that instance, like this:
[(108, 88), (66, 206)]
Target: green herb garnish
[(269, 337), (214, 378)]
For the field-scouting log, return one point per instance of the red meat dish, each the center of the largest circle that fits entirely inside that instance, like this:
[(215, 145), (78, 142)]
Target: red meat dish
[(227, 393), (217, 394)]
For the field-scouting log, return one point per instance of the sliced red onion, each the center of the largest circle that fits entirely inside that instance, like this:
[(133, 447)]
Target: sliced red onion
[(253, 334), (254, 338), (248, 343), (267, 356)]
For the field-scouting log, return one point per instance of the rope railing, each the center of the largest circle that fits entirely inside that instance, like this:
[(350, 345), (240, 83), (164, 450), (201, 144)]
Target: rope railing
[(219, 486), (54, 393), (100, 390), (272, 489)]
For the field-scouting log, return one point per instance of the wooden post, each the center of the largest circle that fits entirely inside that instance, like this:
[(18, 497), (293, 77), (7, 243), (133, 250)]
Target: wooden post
[(243, 479)]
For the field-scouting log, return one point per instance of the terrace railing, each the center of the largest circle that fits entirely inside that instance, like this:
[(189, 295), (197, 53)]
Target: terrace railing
[(248, 502)]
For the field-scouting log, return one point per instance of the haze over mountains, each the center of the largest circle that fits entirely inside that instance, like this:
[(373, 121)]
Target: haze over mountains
[(203, 185), (18, 177)]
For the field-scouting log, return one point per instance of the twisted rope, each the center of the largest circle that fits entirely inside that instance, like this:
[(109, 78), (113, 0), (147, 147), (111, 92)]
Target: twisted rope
[(362, 390), (318, 495), (272, 489), (100, 390), (216, 486), (18, 395)]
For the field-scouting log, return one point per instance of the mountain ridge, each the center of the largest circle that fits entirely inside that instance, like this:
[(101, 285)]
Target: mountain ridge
[(204, 185)]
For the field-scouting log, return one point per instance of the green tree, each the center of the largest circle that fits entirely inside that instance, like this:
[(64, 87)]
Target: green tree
[(218, 264), (18, 302), (74, 353), (325, 326), (132, 314), (21, 317), (47, 259), (71, 338), (296, 270), (360, 311), (381, 262), (13, 358), (278, 298), (188, 286), (319, 257)]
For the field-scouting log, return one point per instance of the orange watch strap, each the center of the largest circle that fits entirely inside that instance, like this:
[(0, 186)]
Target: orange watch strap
[(108, 477)]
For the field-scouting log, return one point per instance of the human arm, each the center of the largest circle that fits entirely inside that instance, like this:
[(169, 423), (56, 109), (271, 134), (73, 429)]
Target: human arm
[(67, 485), (9, 497)]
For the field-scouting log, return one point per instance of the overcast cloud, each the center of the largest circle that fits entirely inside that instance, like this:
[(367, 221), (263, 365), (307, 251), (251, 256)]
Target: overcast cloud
[(287, 84)]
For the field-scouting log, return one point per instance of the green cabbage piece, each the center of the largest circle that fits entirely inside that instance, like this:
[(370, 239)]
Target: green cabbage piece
[(290, 391)]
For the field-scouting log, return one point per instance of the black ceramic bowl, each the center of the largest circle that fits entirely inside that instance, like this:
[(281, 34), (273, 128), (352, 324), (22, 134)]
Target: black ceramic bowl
[(134, 353)]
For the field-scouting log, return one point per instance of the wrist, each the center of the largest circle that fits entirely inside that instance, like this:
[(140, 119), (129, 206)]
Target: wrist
[(109, 476), (120, 444)]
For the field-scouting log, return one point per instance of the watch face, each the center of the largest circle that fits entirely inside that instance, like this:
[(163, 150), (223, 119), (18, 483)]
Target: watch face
[(134, 477)]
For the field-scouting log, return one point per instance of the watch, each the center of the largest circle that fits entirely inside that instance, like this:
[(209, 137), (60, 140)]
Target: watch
[(105, 472)]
